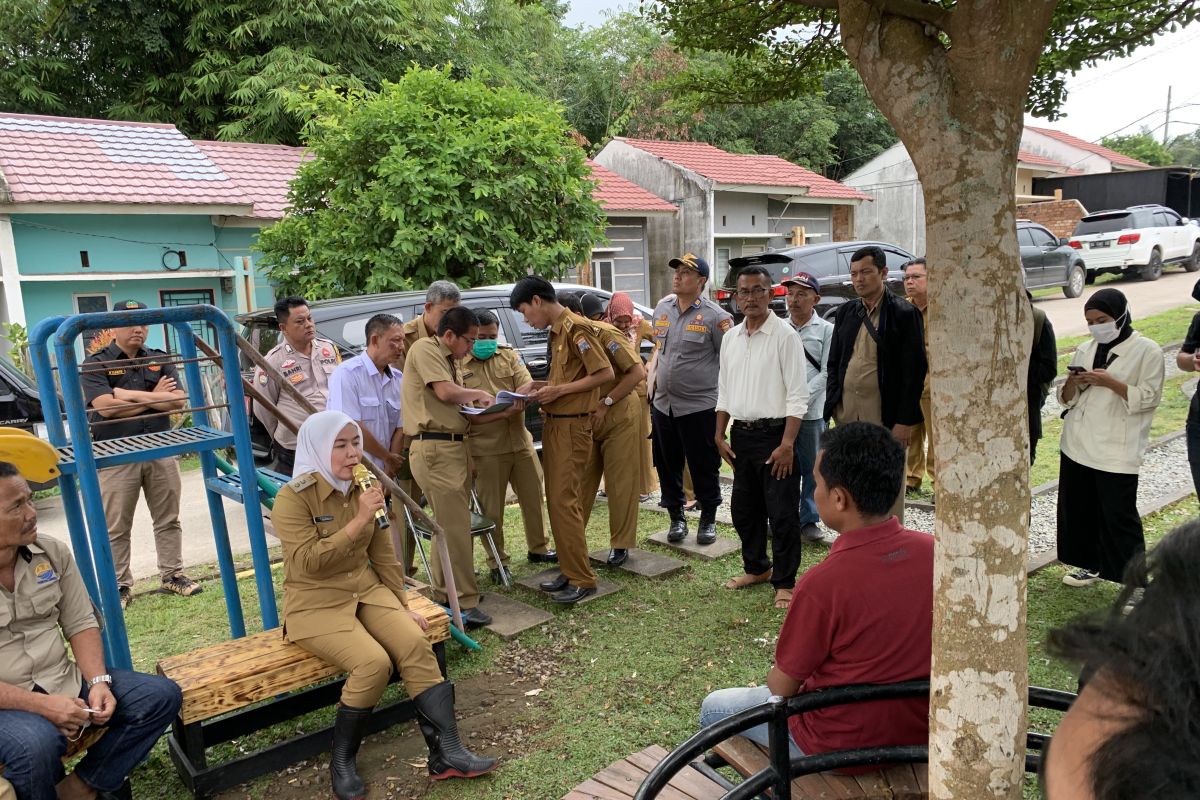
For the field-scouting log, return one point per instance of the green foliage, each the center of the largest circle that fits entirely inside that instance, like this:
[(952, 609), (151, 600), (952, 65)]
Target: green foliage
[(431, 178), (1142, 146), (1185, 149), (18, 337)]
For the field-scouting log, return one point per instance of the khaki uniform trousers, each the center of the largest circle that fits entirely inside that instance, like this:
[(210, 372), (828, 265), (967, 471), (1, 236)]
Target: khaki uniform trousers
[(649, 474), (441, 469), (522, 470), (120, 487), (920, 448), (382, 638), (566, 445), (612, 444)]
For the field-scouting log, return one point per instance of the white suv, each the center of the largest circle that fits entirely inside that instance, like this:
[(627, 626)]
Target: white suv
[(1137, 240)]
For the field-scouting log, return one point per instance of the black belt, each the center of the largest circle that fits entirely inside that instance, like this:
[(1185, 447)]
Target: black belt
[(759, 424), (568, 416), (441, 437)]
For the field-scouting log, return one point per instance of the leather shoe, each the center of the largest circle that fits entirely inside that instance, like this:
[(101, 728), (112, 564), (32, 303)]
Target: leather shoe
[(475, 618), (497, 575), (678, 530), (572, 594), (548, 557), (617, 557), (706, 533), (556, 585)]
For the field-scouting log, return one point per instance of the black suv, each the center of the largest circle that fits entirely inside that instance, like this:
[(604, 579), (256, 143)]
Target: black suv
[(343, 321), (828, 263), (1049, 260)]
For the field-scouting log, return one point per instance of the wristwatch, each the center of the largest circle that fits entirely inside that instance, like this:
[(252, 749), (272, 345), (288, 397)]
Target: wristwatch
[(608, 401), (105, 678)]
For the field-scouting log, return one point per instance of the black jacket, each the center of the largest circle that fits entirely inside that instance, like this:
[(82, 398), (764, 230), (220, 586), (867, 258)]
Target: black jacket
[(1043, 368), (902, 364)]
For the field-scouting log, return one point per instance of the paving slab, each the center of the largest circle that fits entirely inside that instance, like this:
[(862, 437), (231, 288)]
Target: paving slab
[(510, 617), (709, 552), (641, 562), (603, 587)]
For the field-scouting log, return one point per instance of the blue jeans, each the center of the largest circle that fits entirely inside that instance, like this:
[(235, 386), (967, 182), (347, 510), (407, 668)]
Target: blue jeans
[(726, 702), (807, 442), (31, 748)]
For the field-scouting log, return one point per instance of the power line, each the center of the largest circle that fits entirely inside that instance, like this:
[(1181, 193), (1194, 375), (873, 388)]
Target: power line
[(1135, 62)]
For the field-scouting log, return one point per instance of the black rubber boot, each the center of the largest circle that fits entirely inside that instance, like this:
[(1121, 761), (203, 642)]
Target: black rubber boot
[(706, 533), (348, 731), (448, 758), (678, 530)]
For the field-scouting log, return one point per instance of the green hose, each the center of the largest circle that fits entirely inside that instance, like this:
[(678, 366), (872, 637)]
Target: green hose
[(459, 636)]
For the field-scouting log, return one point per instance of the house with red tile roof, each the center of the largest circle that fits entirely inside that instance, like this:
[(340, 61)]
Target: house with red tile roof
[(96, 211), (730, 204), (898, 213)]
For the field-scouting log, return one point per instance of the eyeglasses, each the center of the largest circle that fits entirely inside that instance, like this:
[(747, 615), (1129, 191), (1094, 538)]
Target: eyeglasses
[(755, 291)]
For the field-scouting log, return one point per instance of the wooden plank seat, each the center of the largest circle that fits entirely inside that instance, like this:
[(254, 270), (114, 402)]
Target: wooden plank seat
[(244, 685), (900, 782), (621, 779)]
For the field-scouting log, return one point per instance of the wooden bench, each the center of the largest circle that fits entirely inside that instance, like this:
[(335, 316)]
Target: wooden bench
[(620, 780), (223, 688)]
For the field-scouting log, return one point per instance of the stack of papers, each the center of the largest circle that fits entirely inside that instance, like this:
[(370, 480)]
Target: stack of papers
[(503, 401)]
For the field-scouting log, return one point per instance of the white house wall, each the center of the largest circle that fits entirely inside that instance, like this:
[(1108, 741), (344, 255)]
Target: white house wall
[(1063, 153), (897, 214)]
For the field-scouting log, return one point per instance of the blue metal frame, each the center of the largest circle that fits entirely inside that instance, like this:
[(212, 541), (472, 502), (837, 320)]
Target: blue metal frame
[(79, 462)]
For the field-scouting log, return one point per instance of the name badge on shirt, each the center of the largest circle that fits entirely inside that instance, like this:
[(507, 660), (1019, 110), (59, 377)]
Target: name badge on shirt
[(697, 328), (323, 518)]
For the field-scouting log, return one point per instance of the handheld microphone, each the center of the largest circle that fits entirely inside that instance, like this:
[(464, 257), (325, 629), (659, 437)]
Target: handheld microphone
[(365, 480)]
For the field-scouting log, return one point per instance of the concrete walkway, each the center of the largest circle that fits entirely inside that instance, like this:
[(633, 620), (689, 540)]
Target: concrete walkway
[(198, 544), (1172, 290)]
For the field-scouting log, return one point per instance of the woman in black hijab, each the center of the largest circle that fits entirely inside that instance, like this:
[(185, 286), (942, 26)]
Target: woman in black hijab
[(1113, 386)]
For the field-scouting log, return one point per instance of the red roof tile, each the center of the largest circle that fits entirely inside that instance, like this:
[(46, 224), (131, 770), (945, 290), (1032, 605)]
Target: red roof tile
[(66, 160), (745, 170), (616, 193), (1100, 150), (262, 171), (1034, 160)]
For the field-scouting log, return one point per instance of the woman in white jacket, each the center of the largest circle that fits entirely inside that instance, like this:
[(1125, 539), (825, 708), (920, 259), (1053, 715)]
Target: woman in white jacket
[(1114, 385)]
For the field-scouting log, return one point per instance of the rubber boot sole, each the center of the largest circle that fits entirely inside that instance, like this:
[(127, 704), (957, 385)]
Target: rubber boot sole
[(454, 773)]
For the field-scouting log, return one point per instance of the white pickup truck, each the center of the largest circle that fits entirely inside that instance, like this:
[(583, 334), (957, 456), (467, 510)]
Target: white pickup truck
[(1137, 241)]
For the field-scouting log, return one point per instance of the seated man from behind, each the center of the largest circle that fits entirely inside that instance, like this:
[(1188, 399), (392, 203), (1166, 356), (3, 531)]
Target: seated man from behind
[(46, 699), (863, 615)]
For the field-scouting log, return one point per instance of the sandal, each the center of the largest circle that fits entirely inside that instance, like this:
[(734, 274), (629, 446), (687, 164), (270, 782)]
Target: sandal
[(742, 581), (691, 505), (783, 598)]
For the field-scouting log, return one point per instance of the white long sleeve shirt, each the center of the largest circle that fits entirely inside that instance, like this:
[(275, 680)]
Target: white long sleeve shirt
[(763, 373), (1102, 430)]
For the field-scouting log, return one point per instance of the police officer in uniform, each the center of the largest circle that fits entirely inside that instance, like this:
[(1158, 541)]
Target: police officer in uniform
[(614, 441), (129, 381), (438, 454), (688, 329), (578, 368), (503, 453), (306, 361), (440, 297), (344, 601)]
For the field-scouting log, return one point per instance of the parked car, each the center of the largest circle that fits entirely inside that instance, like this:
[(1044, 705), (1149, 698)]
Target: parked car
[(1137, 241), (343, 321), (1048, 260), (829, 263)]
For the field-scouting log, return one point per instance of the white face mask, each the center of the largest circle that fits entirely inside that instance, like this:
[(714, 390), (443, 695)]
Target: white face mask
[(1105, 332)]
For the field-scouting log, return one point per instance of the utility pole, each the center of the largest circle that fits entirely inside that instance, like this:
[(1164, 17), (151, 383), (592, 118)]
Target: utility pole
[(1167, 121)]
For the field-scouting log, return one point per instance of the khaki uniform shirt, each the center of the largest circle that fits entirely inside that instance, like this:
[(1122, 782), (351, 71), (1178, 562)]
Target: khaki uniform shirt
[(326, 573), (310, 374), (414, 331), (645, 334), (577, 352), (620, 352), (428, 362), (860, 387), (48, 603), (502, 372)]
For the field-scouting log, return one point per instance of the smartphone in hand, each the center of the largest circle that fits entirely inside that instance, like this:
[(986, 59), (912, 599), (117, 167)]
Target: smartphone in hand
[(1076, 369)]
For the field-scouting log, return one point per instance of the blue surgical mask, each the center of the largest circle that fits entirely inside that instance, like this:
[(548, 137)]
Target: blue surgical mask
[(484, 348)]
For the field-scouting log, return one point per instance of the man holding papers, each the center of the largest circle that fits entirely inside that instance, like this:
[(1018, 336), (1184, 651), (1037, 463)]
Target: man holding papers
[(503, 453)]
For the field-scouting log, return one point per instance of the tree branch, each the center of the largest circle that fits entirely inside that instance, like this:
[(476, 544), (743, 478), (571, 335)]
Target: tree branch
[(920, 11)]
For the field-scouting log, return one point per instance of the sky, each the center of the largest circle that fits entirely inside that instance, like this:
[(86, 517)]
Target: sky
[(1114, 96)]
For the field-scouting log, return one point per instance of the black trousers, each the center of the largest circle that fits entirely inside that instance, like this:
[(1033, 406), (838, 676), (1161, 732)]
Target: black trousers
[(763, 506), (688, 437), (285, 460), (1099, 527)]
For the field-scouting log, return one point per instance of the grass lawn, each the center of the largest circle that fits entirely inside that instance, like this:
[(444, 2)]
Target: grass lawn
[(631, 668)]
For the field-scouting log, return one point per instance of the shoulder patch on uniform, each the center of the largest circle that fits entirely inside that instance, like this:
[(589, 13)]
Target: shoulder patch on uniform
[(613, 347), (303, 482), (581, 344), (725, 324)]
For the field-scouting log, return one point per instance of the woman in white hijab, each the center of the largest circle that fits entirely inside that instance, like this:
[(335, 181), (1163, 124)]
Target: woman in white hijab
[(344, 601)]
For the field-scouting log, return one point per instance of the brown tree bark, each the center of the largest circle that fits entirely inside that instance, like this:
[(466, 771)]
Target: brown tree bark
[(953, 85)]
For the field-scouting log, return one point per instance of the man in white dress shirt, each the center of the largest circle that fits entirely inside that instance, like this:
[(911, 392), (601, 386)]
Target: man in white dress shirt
[(763, 389)]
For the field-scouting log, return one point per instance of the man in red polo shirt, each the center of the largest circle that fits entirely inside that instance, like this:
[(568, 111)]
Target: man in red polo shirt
[(863, 615)]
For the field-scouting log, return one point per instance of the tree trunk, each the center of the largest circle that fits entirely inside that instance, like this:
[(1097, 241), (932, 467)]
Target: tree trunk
[(959, 111)]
